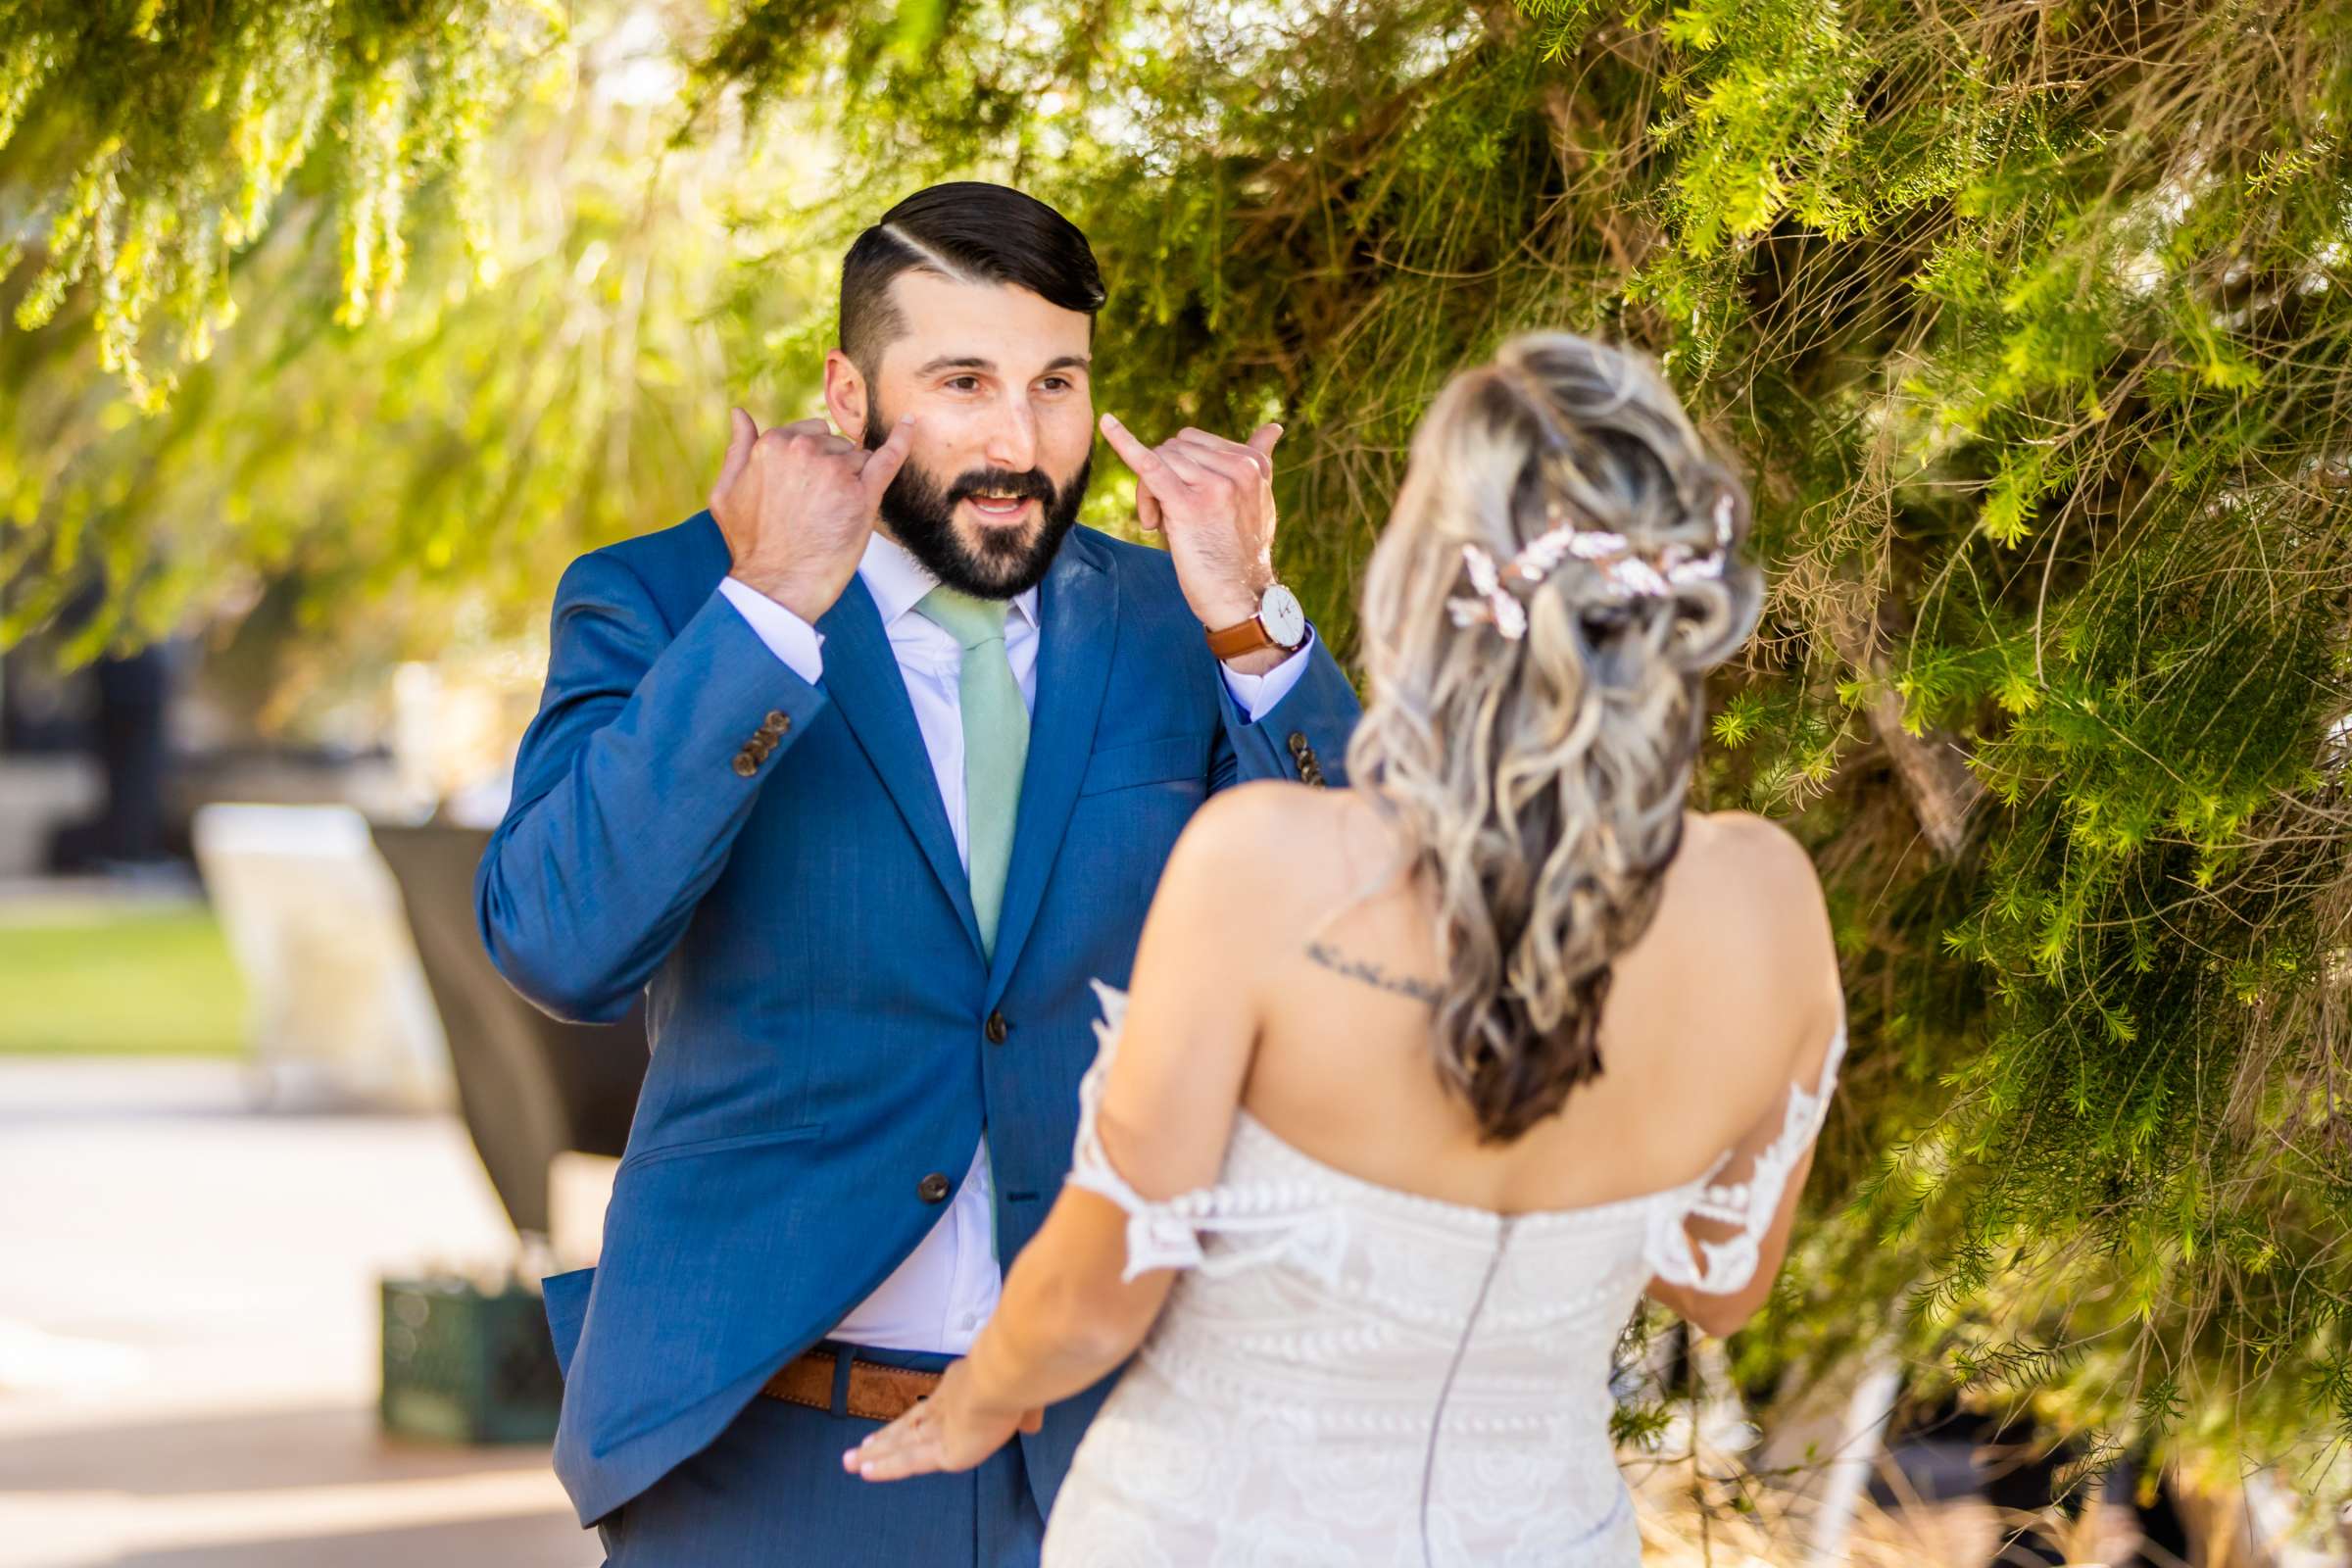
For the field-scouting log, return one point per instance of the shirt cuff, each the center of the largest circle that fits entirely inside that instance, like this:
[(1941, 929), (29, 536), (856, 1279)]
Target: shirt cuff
[(1259, 695), (791, 639)]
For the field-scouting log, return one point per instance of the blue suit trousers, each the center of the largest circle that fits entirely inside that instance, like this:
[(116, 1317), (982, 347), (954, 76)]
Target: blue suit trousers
[(771, 1493)]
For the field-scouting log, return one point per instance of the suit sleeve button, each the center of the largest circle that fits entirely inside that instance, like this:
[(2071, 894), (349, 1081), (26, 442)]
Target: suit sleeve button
[(997, 1029), (1298, 743), (932, 1189), (746, 765), (776, 722)]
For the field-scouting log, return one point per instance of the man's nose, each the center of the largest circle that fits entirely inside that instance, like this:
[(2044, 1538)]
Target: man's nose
[(1012, 436)]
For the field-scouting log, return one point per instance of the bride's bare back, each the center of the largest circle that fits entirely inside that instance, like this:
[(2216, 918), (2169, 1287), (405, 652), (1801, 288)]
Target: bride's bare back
[(1730, 997)]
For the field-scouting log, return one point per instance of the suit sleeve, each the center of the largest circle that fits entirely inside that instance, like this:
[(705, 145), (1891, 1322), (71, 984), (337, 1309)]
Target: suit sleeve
[(1303, 737), (631, 784)]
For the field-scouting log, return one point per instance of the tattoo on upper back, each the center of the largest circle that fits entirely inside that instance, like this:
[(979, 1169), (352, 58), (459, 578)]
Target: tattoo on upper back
[(1372, 974)]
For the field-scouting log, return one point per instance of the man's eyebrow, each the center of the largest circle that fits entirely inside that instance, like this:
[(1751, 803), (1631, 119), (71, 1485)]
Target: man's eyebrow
[(973, 362)]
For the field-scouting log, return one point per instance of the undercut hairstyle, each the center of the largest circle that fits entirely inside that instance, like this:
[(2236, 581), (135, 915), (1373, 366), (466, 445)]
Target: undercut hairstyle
[(1539, 774), (970, 232)]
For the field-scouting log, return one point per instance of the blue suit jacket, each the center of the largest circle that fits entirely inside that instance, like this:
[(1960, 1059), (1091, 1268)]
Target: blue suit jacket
[(818, 998)]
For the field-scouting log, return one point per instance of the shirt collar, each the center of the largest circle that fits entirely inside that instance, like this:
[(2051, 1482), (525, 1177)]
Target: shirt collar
[(898, 581)]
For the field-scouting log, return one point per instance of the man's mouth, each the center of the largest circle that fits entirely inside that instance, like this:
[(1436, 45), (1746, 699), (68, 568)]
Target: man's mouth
[(996, 506)]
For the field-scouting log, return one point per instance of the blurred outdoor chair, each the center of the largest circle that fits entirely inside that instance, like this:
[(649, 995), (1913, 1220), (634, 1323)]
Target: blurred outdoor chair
[(531, 1088), (340, 1011)]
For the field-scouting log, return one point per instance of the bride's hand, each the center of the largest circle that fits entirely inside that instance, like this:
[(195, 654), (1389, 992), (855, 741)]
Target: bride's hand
[(948, 1431)]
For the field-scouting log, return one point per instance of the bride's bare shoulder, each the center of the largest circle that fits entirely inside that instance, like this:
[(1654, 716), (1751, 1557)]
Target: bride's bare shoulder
[(1272, 846), (1249, 822), (1739, 853), (1742, 897)]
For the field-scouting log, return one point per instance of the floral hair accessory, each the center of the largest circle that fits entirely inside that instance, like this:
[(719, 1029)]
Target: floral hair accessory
[(1625, 573)]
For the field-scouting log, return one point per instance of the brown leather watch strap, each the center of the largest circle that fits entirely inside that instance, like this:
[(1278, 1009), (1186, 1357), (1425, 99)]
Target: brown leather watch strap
[(878, 1393), (1242, 637)]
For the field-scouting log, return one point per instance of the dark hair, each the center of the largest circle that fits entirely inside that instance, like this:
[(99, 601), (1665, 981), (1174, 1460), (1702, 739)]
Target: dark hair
[(968, 231)]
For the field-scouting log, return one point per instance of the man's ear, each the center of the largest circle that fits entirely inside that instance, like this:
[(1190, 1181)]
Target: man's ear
[(846, 395)]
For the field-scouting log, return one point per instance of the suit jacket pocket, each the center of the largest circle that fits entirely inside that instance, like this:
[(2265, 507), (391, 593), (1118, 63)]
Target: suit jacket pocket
[(1168, 759), (711, 1145)]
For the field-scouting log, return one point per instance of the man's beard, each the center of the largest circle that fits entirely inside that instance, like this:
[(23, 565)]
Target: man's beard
[(1001, 563)]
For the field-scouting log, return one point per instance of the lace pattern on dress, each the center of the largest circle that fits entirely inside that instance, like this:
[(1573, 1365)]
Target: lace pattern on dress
[(1291, 1223), (1748, 1207)]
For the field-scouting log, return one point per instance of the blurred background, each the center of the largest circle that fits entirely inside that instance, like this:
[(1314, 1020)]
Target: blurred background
[(331, 330)]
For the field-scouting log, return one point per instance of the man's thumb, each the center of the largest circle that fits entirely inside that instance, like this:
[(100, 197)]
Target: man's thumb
[(742, 433), (883, 463), (1262, 439)]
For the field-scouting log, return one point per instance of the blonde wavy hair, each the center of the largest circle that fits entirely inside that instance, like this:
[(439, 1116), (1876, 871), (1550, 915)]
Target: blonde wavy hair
[(1540, 778)]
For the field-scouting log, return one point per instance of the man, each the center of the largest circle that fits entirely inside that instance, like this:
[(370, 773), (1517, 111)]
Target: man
[(864, 774)]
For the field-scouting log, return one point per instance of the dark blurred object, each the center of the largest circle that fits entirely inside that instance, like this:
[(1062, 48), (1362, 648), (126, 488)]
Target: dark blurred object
[(529, 1086), (134, 696), (467, 1364), (1947, 1455), (2162, 1534), (116, 710)]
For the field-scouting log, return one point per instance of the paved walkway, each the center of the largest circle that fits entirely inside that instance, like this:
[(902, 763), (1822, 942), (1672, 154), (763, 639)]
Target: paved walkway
[(189, 1344)]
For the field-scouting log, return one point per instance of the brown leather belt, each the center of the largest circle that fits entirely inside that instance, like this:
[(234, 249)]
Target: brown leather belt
[(878, 1393)]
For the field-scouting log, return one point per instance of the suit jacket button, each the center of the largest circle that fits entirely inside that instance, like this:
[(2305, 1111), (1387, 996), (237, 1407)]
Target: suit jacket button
[(1299, 745), (746, 765), (996, 1029), (932, 1189), (777, 723)]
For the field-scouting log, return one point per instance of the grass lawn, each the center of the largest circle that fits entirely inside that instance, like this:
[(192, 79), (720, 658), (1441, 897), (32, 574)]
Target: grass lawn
[(103, 978)]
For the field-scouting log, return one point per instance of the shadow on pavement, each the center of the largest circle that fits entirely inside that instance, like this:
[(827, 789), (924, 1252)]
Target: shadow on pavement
[(261, 1451), (526, 1543)]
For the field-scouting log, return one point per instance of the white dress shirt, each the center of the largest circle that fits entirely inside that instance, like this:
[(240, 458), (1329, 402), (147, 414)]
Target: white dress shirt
[(937, 1298)]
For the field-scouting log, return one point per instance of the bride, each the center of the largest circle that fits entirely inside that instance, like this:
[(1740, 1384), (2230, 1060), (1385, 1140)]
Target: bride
[(1422, 1085)]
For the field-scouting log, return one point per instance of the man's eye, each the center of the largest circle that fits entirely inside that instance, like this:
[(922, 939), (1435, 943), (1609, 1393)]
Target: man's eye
[(964, 383), (1055, 383)]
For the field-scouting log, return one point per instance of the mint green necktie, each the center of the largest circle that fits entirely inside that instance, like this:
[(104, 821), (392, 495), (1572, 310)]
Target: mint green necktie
[(995, 742)]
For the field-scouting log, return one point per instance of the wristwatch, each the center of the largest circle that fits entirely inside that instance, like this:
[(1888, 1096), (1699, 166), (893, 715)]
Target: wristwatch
[(1280, 623)]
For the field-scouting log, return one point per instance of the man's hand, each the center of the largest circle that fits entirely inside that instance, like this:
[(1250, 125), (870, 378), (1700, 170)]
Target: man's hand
[(1214, 500), (796, 503)]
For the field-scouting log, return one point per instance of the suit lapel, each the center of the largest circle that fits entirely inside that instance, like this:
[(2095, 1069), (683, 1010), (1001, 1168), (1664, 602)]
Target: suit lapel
[(1078, 616), (862, 675)]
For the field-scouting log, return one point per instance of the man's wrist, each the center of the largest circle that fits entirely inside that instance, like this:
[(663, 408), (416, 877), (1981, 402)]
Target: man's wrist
[(1238, 600), (1254, 634), (804, 599), (1259, 661)]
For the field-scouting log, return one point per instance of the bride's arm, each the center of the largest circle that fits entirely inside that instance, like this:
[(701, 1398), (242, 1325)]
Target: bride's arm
[(1725, 1314), (1789, 915), (1067, 1318)]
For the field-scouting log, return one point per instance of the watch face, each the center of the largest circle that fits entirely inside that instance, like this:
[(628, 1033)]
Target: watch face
[(1279, 611)]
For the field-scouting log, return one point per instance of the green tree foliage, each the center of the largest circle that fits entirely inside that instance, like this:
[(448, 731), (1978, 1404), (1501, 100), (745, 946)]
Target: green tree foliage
[(2029, 322), (169, 131), (553, 367)]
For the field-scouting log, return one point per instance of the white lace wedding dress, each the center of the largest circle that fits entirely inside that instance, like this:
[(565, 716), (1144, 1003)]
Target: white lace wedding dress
[(1349, 1374)]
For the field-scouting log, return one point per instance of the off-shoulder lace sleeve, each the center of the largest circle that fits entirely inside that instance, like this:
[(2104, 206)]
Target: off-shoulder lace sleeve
[(1714, 1244), (1166, 1234)]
